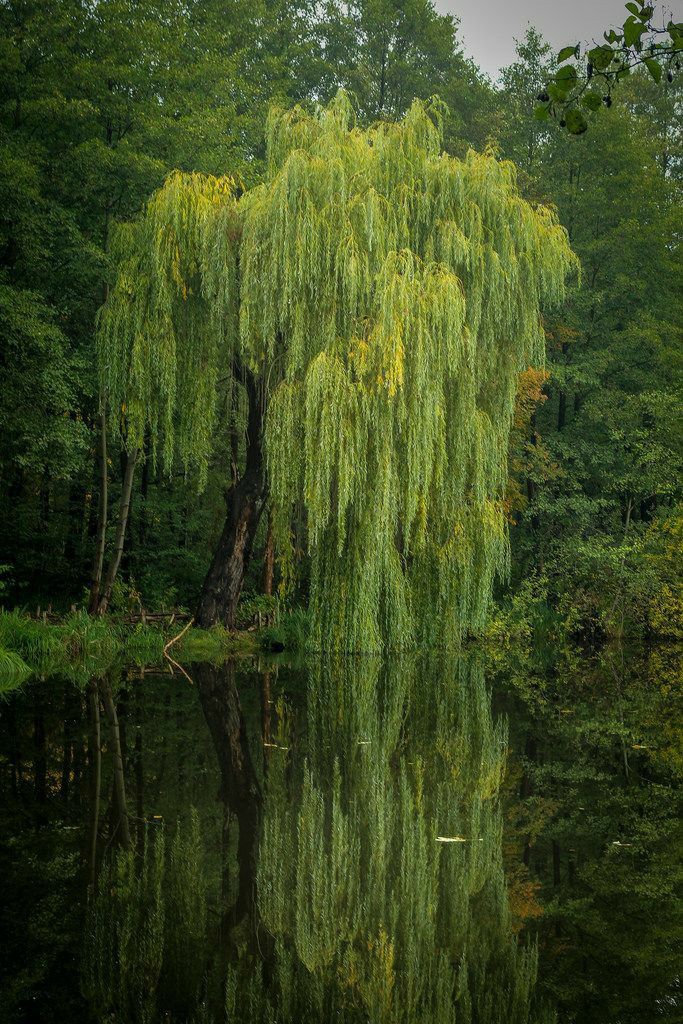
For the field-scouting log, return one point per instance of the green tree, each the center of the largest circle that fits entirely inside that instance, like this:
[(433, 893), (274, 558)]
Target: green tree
[(97, 104), (379, 299), (611, 422)]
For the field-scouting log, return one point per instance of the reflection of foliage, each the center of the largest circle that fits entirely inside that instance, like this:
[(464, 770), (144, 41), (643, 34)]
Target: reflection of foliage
[(145, 947), (13, 670), (592, 822), (420, 927)]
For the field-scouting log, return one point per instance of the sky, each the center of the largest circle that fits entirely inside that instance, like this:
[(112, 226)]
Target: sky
[(488, 27)]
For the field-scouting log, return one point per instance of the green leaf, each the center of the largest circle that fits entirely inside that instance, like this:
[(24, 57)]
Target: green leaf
[(576, 122), (601, 57), (633, 30), (633, 8), (542, 113), (566, 52), (566, 73), (564, 81), (655, 69), (592, 101)]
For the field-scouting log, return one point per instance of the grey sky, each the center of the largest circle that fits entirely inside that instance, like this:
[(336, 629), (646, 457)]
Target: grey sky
[(488, 27)]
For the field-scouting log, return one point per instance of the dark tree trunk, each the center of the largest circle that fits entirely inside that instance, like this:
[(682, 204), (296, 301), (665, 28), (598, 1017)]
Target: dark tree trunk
[(223, 584), (124, 509), (98, 560), (239, 789)]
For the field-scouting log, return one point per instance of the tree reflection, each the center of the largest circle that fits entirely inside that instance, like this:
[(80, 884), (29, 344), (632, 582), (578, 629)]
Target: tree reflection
[(367, 884)]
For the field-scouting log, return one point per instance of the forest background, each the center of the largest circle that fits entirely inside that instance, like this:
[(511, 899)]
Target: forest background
[(100, 102)]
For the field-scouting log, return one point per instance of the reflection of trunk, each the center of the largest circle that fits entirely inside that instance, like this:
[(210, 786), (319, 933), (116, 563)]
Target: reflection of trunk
[(239, 787), (95, 757), (40, 758), (266, 702), (139, 773), (124, 510), (119, 779), (139, 789), (66, 762), (14, 756), (223, 583)]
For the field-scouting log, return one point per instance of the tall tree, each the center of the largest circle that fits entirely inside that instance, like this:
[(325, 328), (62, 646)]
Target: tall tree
[(610, 426), (379, 299)]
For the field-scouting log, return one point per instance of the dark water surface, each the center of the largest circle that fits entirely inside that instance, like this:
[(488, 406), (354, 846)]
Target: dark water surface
[(415, 840)]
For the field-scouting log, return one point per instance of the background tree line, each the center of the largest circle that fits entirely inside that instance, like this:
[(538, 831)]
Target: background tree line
[(99, 102)]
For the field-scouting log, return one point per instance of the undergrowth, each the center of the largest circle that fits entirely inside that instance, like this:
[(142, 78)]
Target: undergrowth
[(81, 646)]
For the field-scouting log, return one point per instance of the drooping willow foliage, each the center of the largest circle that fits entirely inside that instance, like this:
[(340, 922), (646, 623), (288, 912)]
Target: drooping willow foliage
[(407, 286), (387, 295), (168, 330)]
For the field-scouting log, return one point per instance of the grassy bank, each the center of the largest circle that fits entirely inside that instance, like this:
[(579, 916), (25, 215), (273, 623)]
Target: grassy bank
[(79, 645)]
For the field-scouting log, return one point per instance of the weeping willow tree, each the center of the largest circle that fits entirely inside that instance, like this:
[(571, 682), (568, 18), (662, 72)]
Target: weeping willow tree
[(375, 300)]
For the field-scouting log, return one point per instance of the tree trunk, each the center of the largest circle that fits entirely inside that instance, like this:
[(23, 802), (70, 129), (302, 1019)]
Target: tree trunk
[(124, 510), (223, 584), (98, 561)]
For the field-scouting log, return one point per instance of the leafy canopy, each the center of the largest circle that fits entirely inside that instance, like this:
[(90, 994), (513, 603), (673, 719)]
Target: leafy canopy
[(389, 295)]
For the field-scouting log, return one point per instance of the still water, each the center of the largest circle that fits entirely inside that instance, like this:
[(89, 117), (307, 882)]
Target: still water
[(413, 840)]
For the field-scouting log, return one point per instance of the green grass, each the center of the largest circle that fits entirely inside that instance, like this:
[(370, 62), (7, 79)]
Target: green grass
[(216, 644), (13, 670), (80, 646), (291, 631)]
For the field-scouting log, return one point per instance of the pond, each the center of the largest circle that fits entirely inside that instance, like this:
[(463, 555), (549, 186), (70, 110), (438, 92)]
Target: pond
[(421, 839)]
